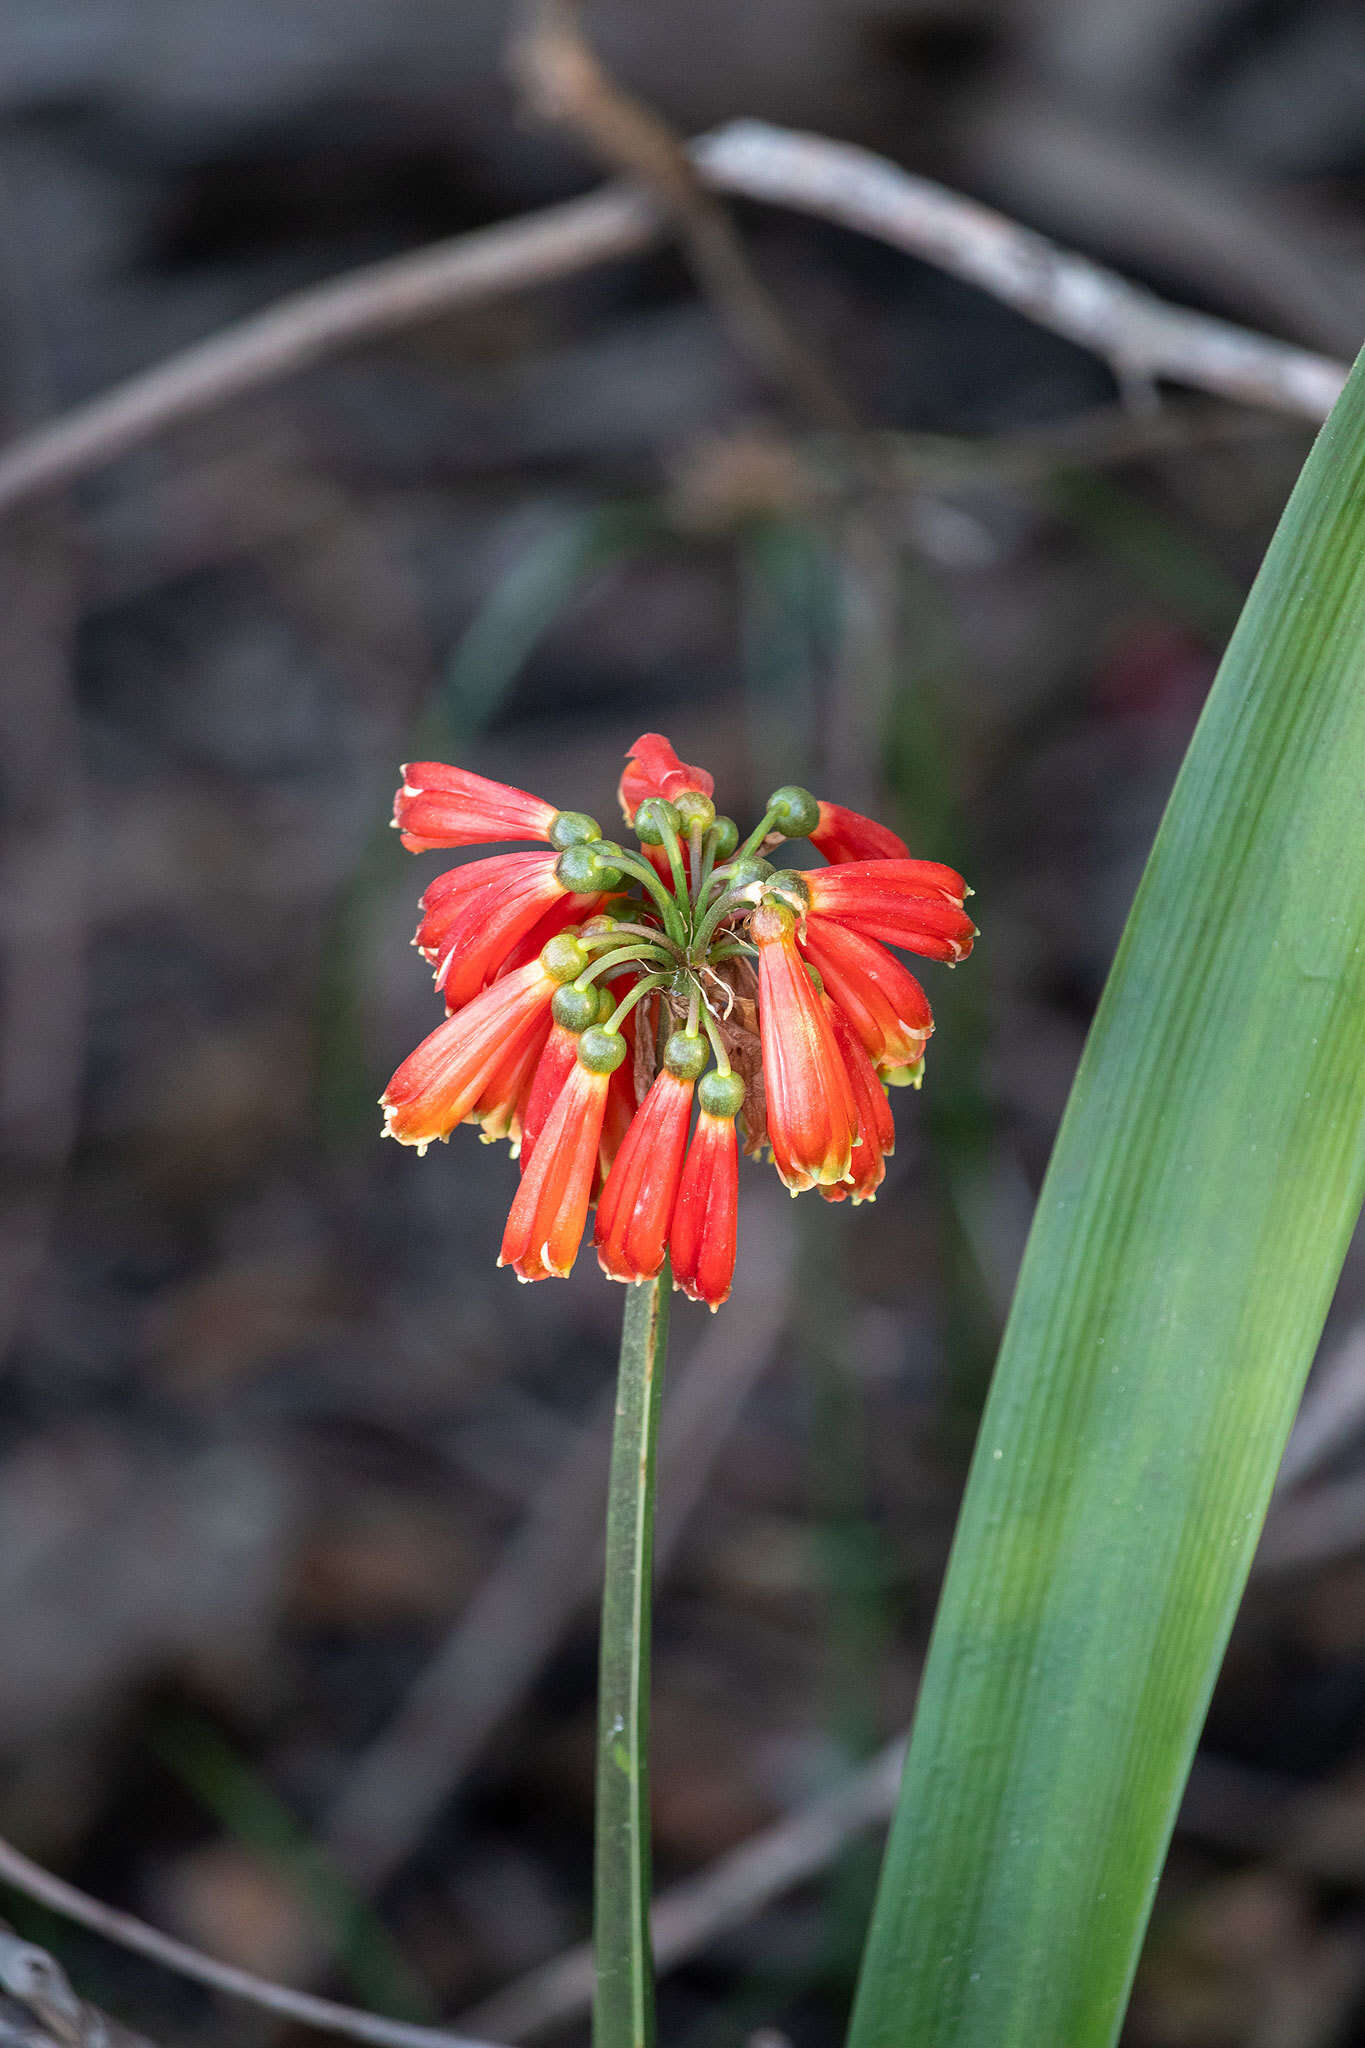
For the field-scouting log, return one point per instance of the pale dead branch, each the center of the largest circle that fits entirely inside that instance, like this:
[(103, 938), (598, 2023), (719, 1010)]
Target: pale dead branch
[(1142, 336), (562, 81), (36, 1883)]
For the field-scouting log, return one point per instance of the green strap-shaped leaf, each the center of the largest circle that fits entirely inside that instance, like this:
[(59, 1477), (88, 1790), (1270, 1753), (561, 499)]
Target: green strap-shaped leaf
[(1204, 1186)]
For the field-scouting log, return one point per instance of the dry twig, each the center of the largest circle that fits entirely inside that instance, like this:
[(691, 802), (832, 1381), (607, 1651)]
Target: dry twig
[(36, 1883), (562, 81), (722, 1896), (38, 2008), (1140, 334)]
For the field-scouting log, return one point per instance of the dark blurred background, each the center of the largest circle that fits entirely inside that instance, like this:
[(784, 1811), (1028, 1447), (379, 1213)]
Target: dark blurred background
[(298, 1493)]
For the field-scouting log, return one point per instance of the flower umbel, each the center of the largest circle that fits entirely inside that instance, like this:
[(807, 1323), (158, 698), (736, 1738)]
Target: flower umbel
[(596, 994)]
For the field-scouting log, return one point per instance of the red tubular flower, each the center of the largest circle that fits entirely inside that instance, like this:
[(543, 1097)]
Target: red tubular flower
[(475, 915), (702, 1240), (530, 970), (881, 999), (500, 1110), (812, 1119), (653, 769), (443, 806), (912, 903), (550, 1209), (473, 1060), (876, 1125), (847, 835), (553, 1068), (569, 910), (617, 1119), (635, 1207)]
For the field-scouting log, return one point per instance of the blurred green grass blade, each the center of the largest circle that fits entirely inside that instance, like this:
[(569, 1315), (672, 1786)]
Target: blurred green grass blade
[(789, 632), (527, 601), (241, 1800), (1160, 552), (1203, 1189)]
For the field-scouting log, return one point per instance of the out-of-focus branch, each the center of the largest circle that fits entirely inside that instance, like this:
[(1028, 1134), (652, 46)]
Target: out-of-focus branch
[(724, 1895), (1248, 1812), (562, 81), (38, 2008), (1143, 336), (36, 1883)]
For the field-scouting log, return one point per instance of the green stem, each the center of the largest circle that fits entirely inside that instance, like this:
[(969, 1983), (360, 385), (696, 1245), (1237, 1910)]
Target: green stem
[(623, 2004), (702, 847), (651, 933), (756, 837), (644, 871), (673, 848), (640, 990), (717, 1042), (724, 906), (605, 963)]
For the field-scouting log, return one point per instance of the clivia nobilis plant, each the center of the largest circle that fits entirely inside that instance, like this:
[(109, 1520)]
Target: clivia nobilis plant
[(597, 996), (594, 992)]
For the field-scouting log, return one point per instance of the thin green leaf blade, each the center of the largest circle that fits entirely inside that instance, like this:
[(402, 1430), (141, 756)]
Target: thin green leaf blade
[(1207, 1177)]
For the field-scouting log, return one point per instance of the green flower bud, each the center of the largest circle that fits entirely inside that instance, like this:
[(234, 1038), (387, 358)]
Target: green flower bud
[(573, 828), (563, 957), (651, 817), (574, 1008), (791, 888), (795, 811), (584, 870), (695, 809), (742, 874), (686, 1054), (720, 1094), (726, 833), (601, 1052)]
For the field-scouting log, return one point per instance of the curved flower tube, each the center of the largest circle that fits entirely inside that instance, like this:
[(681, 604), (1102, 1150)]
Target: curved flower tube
[(635, 1206), (880, 998), (847, 835), (653, 769), (876, 1125), (473, 1059), (476, 921), (812, 1121), (916, 904), (500, 1110), (550, 1208), (617, 1119), (552, 1070), (438, 805), (705, 1227)]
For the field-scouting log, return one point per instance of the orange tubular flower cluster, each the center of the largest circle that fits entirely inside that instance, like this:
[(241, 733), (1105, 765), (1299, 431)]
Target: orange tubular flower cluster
[(598, 996)]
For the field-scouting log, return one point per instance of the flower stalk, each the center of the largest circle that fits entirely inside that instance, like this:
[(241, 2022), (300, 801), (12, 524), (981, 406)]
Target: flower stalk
[(623, 2006)]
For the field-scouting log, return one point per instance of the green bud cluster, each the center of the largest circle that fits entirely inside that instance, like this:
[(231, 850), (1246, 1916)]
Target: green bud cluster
[(672, 919)]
